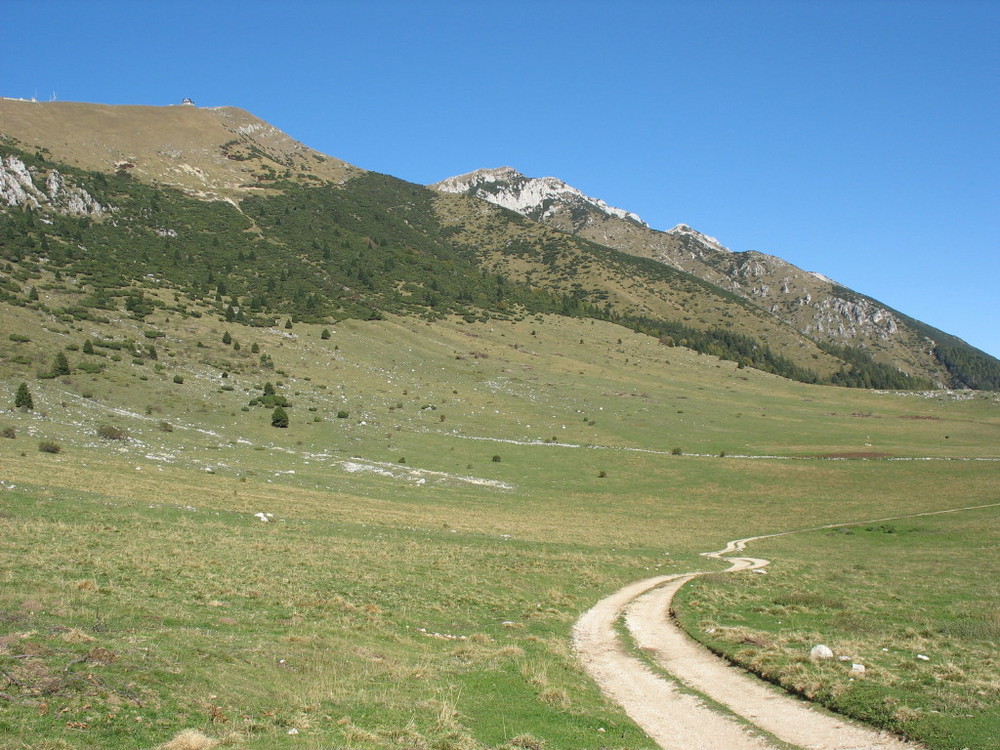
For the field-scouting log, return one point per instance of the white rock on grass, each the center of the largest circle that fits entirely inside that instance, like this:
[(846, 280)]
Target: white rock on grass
[(819, 651), (858, 668)]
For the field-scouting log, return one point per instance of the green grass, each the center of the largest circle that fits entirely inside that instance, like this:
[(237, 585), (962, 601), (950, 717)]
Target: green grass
[(140, 595)]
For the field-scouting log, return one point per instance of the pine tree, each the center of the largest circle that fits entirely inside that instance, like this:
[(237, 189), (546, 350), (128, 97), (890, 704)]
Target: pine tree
[(23, 399), (279, 417), (60, 366)]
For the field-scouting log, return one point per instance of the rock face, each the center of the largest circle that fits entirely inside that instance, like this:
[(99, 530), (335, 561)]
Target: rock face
[(21, 186), (538, 198)]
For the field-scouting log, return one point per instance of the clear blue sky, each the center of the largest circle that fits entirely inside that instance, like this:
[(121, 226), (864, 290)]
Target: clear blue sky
[(857, 138)]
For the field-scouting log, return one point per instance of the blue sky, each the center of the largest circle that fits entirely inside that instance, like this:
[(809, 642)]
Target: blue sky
[(857, 138)]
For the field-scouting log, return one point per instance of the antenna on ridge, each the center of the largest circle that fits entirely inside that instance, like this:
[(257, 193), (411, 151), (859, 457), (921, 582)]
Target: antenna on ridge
[(53, 97)]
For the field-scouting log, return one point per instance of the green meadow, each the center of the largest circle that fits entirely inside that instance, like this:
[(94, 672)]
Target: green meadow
[(447, 499)]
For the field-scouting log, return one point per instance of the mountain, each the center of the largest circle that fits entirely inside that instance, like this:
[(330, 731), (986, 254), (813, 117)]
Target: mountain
[(813, 304), (212, 153), (141, 208)]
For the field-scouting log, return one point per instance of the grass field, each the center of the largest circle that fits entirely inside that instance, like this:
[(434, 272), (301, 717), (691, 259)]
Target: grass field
[(913, 600), (427, 554)]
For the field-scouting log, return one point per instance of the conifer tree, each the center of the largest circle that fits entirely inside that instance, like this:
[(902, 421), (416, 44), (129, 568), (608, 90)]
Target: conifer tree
[(23, 399), (60, 366)]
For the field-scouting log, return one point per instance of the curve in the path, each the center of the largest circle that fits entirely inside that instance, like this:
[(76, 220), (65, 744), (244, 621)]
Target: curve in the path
[(677, 720)]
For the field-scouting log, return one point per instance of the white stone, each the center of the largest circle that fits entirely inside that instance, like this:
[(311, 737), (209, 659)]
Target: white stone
[(820, 651)]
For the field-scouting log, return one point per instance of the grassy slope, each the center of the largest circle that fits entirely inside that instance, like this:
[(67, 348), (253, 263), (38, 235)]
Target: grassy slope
[(174, 145), (141, 596)]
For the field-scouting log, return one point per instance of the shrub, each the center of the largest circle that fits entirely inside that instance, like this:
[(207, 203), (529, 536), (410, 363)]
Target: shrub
[(178, 379), (88, 347), (602, 474), (8, 432), (110, 432), (279, 417), (343, 414), (226, 338), (496, 459), (676, 451), (166, 427), (49, 446), (326, 334)]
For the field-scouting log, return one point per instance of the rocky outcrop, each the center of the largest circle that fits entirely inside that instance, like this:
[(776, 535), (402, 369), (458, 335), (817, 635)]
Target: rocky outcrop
[(23, 186)]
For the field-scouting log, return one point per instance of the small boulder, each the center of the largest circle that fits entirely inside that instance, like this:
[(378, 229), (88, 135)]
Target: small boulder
[(819, 651), (858, 668)]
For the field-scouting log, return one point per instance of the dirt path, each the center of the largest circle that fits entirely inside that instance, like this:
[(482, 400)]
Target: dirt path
[(674, 718)]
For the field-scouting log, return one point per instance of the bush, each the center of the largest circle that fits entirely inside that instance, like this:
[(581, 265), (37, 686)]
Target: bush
[(279, 417), (602, 474), (326, 334), (496, 459), (110, 432), (8, 432), (49, 446), (166, 427), (178, 379), (343, 414), (676, 451)]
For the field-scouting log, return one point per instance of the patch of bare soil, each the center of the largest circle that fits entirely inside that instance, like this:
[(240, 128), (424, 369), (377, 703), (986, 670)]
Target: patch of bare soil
[(856, 454)]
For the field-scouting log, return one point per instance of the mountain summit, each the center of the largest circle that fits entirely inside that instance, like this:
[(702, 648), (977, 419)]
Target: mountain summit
[(539, 198)]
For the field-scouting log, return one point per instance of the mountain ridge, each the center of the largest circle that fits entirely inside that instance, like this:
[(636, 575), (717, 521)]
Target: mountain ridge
[(812, 303)]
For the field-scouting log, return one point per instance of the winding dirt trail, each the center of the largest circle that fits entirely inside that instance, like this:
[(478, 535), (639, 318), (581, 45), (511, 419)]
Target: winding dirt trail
[(667, 710)]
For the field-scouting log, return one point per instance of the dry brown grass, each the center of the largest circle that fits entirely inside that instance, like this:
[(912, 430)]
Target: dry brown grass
[(190, 739)]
